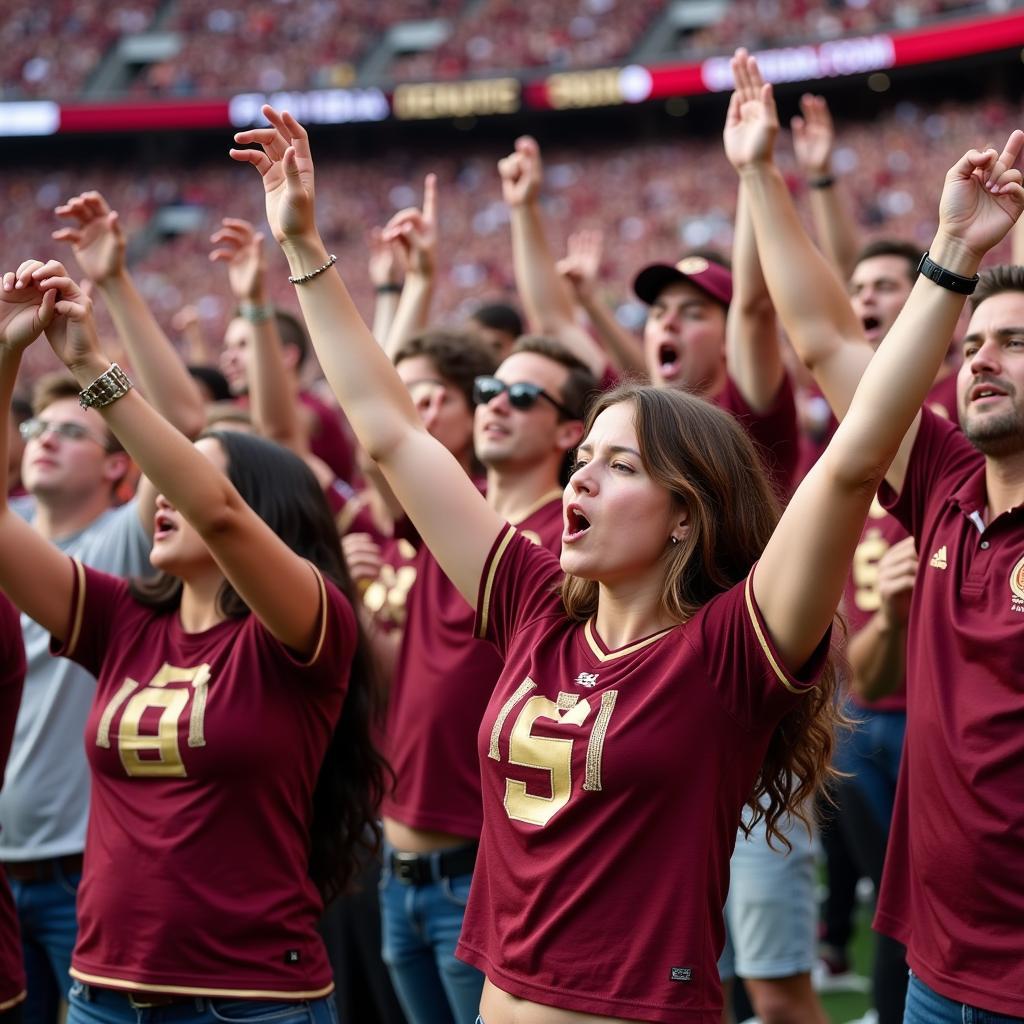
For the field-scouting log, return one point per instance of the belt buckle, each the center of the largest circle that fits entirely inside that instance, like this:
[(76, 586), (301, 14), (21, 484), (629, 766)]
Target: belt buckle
[(404, 866), (143, 1004)]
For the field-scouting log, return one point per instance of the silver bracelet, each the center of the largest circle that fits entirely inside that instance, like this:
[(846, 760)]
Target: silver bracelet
[(302, 279), (108, 387)]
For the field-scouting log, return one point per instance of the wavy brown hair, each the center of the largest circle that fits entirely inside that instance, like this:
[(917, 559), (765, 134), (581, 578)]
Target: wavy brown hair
[(705, 459)]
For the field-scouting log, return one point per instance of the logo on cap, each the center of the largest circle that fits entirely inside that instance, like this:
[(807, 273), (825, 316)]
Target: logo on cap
[(1017, 587), (692, 265)]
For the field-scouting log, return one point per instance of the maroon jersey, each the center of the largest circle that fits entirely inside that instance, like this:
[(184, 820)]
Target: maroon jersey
[(881, 531), (329, 439), (205, 750), (951, 891), (443, 681), (12, 677), (613, 782), (773, 431)]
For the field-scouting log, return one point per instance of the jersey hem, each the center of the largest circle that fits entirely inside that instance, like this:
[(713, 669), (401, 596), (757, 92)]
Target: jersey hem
[(6, 1004), (470, 832), (990, 1000), (562, 1000), (133, 985)]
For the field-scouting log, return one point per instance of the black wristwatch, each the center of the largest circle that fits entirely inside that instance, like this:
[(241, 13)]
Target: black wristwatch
[(946, 278)]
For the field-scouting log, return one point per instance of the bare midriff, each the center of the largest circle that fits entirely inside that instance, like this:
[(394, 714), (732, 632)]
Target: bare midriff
[(420, 840)]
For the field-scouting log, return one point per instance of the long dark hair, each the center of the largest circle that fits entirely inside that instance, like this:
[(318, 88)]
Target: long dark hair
[(284, 493), (705, 459)]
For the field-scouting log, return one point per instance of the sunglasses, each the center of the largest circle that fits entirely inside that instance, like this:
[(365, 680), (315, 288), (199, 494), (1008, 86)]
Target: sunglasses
[(522, 395), (34, 428)]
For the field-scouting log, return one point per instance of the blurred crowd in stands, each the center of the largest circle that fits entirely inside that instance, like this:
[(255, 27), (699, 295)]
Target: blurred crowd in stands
[(653, 201), (50, 50)]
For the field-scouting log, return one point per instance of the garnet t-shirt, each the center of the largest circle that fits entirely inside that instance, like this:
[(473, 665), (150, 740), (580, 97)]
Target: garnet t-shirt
[(205, 749)]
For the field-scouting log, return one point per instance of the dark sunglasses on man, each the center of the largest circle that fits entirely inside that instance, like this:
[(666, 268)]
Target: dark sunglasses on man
[(521, 395)]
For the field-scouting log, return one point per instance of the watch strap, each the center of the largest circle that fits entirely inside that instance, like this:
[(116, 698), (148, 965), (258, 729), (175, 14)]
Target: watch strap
[(946, 278)]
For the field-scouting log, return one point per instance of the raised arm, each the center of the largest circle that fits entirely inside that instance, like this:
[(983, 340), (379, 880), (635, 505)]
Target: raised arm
[(451, 515), (800, 577), (752, 350), (99, 247), (580, 268), (386, 267), (35, 575), (279, 587), (415, 232), (813, 141), (546, 299), (272, 388)]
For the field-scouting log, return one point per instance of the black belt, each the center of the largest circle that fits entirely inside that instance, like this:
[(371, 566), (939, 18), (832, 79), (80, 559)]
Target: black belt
[(46, 870), (424, 868)]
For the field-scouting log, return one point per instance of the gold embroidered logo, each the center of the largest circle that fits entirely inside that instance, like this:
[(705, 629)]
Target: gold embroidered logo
[(939, 559), (1017, 587)]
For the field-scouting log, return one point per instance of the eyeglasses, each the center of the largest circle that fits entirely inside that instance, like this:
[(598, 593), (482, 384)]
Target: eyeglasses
[(33, 429), (521, 395)]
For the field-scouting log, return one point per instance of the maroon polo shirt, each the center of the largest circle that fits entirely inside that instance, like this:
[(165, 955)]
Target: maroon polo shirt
[(205, 749), (12, 677), (443, 680), (952, 889), (613, 782)]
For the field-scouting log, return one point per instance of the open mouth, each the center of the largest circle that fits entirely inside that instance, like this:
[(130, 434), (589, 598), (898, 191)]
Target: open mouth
[(871, 324), (576, 523), (163, 526), (985, 391), (668, 359)]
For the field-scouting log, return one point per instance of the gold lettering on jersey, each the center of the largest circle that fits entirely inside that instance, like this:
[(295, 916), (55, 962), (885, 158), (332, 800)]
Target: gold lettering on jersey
[(132, 743), (595, 748), (506, 709), (865, 570)]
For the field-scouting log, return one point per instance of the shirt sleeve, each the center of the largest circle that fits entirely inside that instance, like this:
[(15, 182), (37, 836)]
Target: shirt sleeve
[(774, 431), (336, 638), (519, 585), (941, 459), (99, 603), (742, 664)]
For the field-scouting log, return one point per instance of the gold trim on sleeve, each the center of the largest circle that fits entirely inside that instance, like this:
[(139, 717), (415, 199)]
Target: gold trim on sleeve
[(506, 709), (323, 617), (779, 671), (19, 998), (485, 603), (79, 611), (193, 990)]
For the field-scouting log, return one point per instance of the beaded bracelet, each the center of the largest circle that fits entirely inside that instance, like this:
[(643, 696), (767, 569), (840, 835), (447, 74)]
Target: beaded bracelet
[(303, 278)]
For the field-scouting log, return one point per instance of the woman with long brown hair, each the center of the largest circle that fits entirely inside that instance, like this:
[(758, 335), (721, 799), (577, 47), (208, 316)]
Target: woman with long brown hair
[(672, 669)]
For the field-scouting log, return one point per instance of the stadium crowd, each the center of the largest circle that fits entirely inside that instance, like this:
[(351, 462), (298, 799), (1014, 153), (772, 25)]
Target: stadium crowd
[(526, 622)]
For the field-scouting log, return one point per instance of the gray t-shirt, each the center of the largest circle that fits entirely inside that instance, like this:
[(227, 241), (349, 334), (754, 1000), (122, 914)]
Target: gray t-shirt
[(44, 803)]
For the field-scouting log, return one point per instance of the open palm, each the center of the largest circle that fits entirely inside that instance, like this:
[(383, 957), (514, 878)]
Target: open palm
[(286, 166), (752, 121)]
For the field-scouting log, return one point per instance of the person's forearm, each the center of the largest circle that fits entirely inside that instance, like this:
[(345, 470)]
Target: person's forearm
[(833, 221), (413, 313), (623, 346), (162, 374), (356, 367), (809, 298), (546, 299), (172, 464), (10, 363), (877, 657), (385, 307), (272, 388), (752, 343)]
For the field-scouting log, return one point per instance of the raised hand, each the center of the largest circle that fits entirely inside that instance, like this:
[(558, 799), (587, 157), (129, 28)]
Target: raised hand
[(71, 332), (581, 263), (286, 166), (752, 121), (240, 246), (25, 309), (982, 197), (521, 172), (387, 260), (416, 231), (813, 136), (96, 239)]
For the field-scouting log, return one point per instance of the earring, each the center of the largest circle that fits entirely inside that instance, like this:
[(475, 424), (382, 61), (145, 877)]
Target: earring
[(673, 541)]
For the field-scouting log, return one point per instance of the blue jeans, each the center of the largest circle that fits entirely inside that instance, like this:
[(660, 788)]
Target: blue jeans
[(871, 753), (90, 1005), (46, 913), (925, 1006), (420, 927)]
